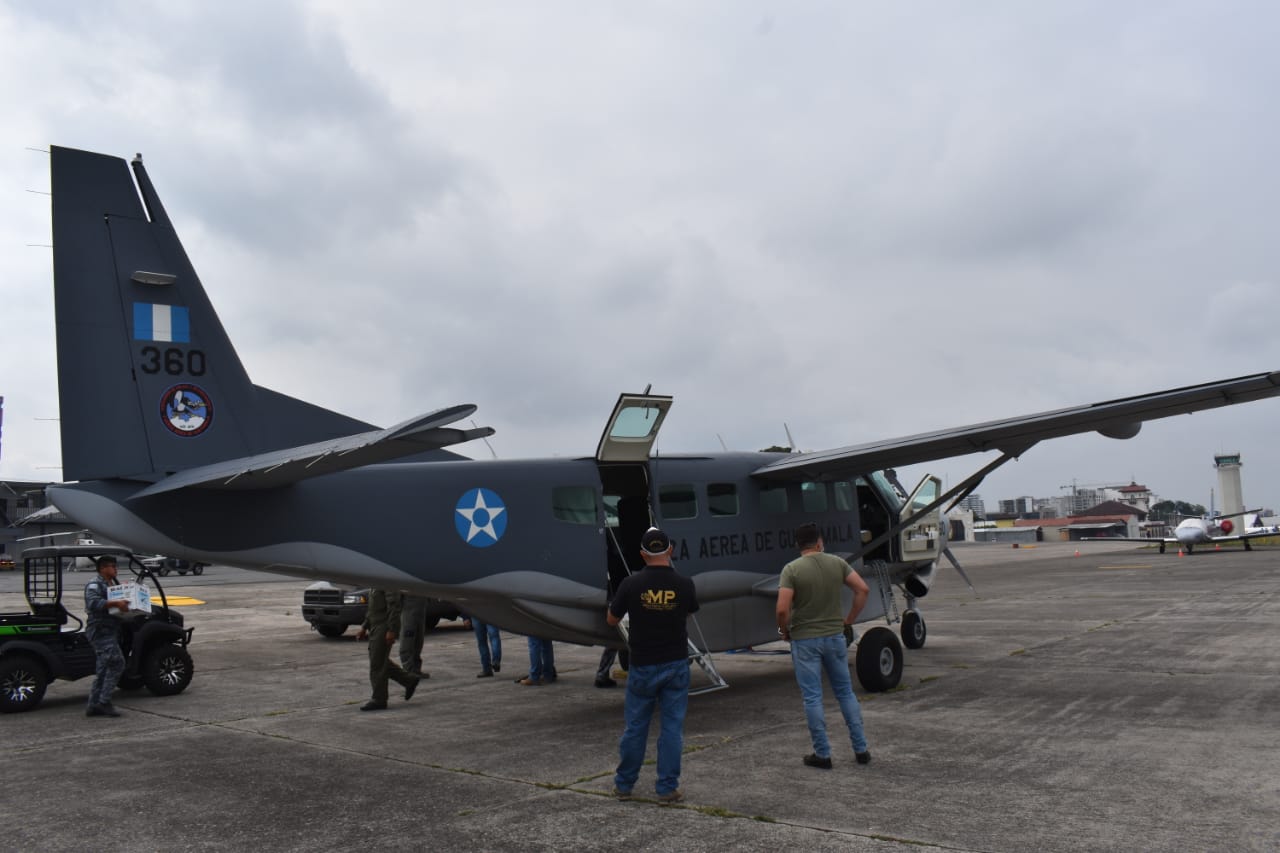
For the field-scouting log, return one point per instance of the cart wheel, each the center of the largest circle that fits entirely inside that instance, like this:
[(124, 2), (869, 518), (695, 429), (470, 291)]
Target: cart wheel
[(22, 683), (167, 670)]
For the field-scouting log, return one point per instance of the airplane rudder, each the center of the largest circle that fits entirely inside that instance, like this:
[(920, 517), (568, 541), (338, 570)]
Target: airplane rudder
[(137, 335)]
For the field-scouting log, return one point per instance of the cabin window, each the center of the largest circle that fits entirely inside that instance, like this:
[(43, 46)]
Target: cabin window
[(722, 498), (677, 501), (844, 495), (574, 504), (773, 498), (814, 496)]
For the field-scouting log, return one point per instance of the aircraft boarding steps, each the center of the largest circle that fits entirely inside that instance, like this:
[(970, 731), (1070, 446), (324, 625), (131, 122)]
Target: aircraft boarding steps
[(703, 660), (696, 655)]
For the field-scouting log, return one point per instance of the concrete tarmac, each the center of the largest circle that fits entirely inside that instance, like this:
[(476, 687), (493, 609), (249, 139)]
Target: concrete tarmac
[(1121, 699)]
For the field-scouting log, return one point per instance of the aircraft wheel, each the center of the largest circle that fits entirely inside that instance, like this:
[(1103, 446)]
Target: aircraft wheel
[(913, 630), (879, 660), (168, 670), (197, 569), (22, 683), (331, 631)]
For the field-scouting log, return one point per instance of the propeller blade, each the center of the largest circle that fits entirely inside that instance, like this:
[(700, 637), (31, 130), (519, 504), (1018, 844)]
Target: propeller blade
[(955, 564)]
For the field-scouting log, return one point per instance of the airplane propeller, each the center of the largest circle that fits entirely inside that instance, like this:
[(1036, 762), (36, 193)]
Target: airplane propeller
[(955, 564)]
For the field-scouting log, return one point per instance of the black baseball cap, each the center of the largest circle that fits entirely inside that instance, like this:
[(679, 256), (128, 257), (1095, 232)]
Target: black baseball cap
[(654, 542)]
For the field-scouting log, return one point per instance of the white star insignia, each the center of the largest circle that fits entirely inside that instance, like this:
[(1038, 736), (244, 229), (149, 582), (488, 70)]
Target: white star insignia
[(470, 516)]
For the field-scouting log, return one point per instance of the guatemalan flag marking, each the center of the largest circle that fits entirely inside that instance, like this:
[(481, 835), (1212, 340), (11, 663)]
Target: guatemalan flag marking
[(161, 323)]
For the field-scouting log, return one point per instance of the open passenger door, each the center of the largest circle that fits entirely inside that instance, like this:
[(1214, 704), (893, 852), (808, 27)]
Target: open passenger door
[(633, 428), (922, 539)]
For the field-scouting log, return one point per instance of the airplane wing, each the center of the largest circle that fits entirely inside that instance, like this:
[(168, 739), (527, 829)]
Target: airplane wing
[(1240, 537), (281, 467), (1115, 419)]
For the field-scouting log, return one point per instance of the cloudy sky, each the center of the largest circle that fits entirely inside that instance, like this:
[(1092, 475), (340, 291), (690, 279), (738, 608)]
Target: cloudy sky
[(860, 220)]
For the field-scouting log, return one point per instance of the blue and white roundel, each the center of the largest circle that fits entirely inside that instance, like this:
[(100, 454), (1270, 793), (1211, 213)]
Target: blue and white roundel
[(480, 518)]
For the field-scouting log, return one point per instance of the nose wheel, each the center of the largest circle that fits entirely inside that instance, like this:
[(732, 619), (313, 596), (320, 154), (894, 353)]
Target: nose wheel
[(913, 630)]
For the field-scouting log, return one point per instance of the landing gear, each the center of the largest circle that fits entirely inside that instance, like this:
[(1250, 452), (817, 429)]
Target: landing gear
[(913, 630), (879, 660)]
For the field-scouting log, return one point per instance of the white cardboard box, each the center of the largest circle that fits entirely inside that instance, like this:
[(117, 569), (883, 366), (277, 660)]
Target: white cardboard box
[(138, 596)]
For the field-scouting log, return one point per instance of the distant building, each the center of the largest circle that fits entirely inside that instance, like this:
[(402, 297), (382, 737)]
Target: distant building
[(1135, 496), (974, 504), (18, 499), (1018, 506)]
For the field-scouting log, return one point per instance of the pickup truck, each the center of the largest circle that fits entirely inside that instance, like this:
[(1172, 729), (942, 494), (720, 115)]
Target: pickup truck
[(332, 609)]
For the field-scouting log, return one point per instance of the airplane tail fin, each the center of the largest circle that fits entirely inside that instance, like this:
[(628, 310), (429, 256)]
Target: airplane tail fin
[(148, 381)]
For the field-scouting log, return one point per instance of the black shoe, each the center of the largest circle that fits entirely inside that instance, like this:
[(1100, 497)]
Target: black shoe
[(417, 673), (488, 673), (815, 760), (373, 706), (497, 667), (93, 711), (606, 682), (863, 757), (408, 691), (106, 709)]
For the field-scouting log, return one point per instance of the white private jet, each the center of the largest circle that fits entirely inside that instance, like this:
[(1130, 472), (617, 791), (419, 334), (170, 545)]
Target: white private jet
[(1202, 530)]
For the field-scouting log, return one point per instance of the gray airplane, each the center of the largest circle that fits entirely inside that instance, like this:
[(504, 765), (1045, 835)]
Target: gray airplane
[(177, 452)]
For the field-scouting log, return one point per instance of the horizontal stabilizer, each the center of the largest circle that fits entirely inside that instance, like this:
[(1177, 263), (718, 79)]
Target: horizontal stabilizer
[(1115, 418), (282, 467)]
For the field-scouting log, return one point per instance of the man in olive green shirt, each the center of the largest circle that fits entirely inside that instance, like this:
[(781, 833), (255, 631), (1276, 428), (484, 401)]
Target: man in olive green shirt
[(810, 617)]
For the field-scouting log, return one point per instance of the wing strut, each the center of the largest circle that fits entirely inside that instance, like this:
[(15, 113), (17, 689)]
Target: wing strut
[(967, 485)]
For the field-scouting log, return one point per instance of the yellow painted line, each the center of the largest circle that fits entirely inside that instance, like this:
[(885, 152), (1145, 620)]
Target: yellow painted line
[(1147, 566), (179, 601)]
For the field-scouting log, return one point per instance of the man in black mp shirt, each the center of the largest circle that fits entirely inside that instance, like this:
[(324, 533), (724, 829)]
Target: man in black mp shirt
[(658, 601)]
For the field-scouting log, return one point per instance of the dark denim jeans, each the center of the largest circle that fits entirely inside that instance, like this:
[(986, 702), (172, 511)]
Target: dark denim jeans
[(811, 658), (542, 660), (666, 685), (488, 637)]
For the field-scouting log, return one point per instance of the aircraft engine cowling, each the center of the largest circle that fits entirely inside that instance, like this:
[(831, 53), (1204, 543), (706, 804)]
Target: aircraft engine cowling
[(917, 583), (1121, 430), (1226, 526)]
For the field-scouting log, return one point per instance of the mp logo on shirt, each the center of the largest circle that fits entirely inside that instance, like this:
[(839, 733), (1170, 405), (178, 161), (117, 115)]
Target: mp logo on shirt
[(658, 599)]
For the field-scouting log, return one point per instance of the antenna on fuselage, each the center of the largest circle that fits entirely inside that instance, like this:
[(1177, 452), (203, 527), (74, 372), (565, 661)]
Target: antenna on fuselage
[(485, 440), (722, 444), (791, 442)]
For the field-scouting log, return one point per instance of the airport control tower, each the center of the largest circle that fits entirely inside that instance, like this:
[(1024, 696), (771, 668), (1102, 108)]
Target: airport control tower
[(1228, 465)]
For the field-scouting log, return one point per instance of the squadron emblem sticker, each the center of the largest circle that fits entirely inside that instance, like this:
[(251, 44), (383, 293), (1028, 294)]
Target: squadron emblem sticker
[(480, 518), (186, 410)]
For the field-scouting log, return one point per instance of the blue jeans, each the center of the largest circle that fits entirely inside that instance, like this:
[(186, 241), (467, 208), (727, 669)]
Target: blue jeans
[(494, 640), (665, 684), (811, 657), (542, 660)]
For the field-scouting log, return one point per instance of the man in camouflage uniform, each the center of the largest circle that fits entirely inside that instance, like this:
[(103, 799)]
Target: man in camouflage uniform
[(382, 627), (104, 635)]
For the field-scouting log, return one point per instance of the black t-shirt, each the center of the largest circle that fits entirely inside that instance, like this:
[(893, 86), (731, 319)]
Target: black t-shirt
[(658, 601)]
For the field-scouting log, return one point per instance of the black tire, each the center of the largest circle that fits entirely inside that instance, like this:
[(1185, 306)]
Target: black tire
[(879, 660), (167, 670), (164, 571), (913, 630), (333, 632), (23, 680), (197, 569)]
